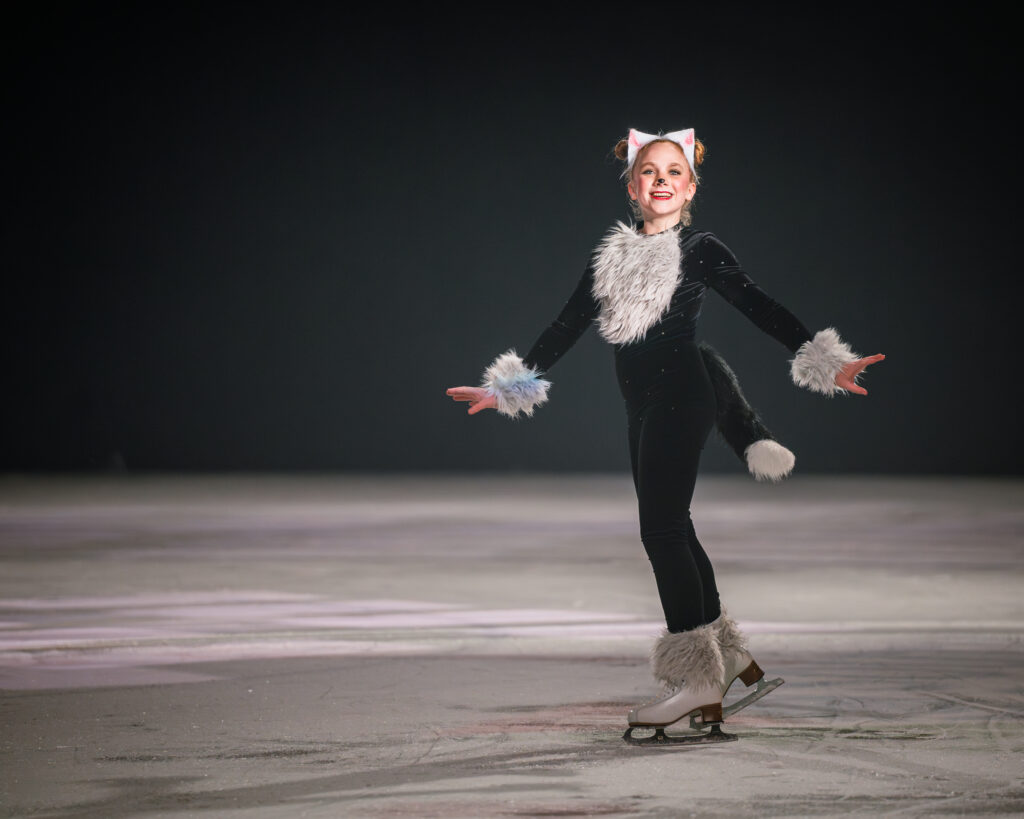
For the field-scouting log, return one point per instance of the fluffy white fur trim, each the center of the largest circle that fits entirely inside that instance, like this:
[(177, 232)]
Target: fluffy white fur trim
[(690, 656), (819, 360), (769, 460), (635, 276), (730, 638), (518, 388)]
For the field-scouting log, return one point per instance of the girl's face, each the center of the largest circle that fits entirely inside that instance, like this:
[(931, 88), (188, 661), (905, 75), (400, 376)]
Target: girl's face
[(661, 181)]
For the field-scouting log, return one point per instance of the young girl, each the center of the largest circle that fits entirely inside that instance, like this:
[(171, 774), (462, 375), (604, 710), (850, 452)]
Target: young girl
[(644, 286)]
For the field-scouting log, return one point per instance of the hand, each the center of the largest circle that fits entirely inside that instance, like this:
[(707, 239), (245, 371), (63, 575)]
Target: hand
[(844, 378), (478, 397)]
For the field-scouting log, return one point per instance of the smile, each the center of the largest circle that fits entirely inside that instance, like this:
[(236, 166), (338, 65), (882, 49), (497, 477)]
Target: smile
[(661, 195)]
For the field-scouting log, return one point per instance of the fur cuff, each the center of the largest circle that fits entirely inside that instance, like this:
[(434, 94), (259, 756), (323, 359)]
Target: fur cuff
[(690, 656), (730, 638), (769, 460), (517, 387), (819, 360)]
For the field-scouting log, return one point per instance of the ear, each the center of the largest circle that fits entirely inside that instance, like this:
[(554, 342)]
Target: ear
[(637, 140), (685, 139)]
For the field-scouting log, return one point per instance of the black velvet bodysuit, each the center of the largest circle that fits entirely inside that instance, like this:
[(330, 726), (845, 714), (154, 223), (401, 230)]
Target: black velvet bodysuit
[(670, 401), (706, 262)]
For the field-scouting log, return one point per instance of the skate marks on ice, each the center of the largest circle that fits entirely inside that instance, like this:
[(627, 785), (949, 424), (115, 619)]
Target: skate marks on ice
[(437, 776), (452, 735), (488, 783), (899, 715), (153, 638), (150, 638), (890, 734), (875, 733)]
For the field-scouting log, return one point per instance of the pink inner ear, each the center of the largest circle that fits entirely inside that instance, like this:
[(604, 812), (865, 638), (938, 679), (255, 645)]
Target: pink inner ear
[(689, 138), (632, 139)]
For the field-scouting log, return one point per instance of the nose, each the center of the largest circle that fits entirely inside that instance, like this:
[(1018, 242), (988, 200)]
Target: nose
[(660, 181)]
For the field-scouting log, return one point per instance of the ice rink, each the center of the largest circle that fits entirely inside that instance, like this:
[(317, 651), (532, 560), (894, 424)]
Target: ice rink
[(428, 646)]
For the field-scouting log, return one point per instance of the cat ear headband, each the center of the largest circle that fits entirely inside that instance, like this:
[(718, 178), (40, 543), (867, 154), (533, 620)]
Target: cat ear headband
[(637, 140)]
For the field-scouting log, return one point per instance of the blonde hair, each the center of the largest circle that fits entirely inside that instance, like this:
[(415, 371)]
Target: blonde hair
[(621, 151)]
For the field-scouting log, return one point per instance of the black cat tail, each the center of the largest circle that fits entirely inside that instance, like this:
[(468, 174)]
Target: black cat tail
[(741, 427)]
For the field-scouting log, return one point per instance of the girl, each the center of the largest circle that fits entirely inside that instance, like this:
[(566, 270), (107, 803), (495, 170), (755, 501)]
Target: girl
[(644, 286)]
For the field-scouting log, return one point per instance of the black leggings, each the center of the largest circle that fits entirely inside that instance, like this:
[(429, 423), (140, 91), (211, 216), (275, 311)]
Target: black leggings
[(670, 404)]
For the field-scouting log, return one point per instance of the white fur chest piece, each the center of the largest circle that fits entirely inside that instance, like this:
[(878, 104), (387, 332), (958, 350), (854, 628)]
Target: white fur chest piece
[(635, 276)]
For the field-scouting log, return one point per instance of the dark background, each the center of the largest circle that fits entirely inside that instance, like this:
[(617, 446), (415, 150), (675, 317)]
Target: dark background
[(270, 237)]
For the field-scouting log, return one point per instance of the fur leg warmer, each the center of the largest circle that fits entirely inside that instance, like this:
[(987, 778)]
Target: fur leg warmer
[(730, 638), (740, 425), (690, 656), (819, 360), (516, 387)]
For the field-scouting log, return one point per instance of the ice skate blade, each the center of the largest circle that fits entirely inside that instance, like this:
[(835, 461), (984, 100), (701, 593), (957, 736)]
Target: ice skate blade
[(716, 734), (763, 687)]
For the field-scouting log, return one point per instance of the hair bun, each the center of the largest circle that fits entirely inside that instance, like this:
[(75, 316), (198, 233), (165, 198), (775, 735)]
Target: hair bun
[(698, 151), (622, 149)]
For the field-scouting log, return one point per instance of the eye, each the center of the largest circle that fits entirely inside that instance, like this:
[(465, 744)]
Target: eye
[(677, 173)]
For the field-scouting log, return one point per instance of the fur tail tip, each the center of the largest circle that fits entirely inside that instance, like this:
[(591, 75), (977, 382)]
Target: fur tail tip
[(769, 460)]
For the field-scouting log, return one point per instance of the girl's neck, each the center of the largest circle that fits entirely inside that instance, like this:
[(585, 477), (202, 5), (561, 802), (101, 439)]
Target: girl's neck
[(660, 224)]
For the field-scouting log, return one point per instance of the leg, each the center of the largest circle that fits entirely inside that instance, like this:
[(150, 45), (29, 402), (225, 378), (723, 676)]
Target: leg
[(669, 425), (666, 444), (712, 603)]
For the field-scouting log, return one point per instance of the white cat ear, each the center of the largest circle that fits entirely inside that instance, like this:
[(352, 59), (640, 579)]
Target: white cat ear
[(685, 139), (637, 140)]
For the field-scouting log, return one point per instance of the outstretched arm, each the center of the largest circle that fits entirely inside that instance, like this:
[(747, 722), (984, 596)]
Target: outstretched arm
[(512, 384), (822, 363)]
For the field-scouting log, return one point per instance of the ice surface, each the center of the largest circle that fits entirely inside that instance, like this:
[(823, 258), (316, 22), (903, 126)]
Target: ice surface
[(470, 646)]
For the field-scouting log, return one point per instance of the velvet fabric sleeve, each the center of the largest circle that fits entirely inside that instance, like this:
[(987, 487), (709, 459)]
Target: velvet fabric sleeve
[(573, 320), (515, 382), (818, 358), (726, 276)]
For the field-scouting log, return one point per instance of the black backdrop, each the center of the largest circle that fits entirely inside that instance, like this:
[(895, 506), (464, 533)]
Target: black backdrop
[(270, 237)]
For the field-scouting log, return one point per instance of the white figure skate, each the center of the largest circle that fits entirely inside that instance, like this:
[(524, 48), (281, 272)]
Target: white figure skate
[(693, 656), (702, 705)]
